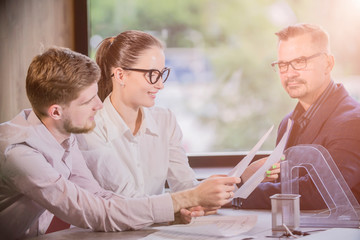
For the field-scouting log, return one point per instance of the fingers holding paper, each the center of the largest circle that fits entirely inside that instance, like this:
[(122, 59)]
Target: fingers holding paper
[(270, 175), (253, 179), (252, 168), (216, 191), (273, 173), (213, 192)]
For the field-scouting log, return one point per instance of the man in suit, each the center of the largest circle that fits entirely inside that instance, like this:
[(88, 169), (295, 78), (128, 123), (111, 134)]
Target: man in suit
[(325, 113)]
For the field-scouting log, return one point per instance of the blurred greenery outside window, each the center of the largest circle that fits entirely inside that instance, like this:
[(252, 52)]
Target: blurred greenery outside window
[(221, 88)]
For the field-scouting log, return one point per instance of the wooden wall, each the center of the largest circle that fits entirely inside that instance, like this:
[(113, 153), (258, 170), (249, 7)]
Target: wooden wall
[(27, 27)]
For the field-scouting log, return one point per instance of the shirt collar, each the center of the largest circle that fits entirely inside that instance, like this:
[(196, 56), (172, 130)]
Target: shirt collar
[(42, 131), (302, 117), (149, 124), (115, 125)]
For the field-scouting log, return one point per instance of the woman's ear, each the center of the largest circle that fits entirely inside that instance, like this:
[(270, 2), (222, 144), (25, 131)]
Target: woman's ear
[(119, 76), (55, 111), (118, 73)]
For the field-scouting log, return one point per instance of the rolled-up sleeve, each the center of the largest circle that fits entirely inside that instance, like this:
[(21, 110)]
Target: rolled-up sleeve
[(180, 175)]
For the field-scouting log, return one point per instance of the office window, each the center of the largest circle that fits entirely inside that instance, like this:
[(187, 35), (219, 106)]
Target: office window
[(221, 88)]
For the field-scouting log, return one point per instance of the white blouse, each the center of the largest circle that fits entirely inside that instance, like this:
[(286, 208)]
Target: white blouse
[(137, 165)]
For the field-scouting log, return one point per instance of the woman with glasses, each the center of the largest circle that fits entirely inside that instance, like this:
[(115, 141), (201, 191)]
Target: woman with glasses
[(135, 147)]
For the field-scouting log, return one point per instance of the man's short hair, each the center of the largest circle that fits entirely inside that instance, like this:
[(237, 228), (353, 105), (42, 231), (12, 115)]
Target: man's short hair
[(318, 34), (57, 76)]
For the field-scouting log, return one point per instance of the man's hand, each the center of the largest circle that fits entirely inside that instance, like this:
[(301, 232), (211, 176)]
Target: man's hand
[(187, 214), (271, 175)]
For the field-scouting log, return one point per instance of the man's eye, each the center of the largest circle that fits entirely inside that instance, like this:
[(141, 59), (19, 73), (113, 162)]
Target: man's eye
[(299, 61)]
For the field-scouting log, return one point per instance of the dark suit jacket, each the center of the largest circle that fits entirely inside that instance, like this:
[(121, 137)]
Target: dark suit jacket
[(336, 126)]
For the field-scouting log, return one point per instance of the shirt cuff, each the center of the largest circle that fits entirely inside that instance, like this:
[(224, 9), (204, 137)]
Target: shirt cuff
[(163, 209)]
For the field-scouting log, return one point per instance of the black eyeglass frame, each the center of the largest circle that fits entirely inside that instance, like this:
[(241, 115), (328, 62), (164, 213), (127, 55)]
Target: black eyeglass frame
[(302, 58), (150, 71)]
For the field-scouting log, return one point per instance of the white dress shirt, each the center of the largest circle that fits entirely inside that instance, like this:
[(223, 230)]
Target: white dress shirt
[(137, 165), (38, 173)]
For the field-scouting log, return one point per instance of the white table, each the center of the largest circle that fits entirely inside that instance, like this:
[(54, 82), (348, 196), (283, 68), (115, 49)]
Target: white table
[(261, 231)]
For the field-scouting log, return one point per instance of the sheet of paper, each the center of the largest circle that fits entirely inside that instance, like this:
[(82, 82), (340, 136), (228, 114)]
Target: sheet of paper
[(249, 186), (209, 226), (242, 165), (166, 235)]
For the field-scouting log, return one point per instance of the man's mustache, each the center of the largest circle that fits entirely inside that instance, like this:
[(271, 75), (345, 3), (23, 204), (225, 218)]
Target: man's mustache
[(295, 80)]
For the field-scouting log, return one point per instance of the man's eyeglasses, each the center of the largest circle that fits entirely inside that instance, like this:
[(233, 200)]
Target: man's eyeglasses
[(297, 63), (153, 75)]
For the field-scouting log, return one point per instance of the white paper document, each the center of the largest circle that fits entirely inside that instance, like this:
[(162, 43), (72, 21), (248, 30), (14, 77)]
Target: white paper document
[(207, 227), (241, 166), (249, 186)]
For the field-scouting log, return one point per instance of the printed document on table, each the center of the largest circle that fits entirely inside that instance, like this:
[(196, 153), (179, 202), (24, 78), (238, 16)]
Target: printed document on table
[(249, 186), (209, 226)]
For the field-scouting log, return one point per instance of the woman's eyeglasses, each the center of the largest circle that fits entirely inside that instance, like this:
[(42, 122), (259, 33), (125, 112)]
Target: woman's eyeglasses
[(153, 75)]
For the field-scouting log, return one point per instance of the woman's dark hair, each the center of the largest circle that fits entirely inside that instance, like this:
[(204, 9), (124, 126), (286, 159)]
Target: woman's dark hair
[(121, 51)]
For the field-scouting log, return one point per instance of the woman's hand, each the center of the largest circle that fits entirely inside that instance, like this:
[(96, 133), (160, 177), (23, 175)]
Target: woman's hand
[(273, 173)]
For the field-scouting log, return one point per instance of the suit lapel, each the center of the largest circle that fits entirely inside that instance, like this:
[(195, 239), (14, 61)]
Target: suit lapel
[(322, 115)]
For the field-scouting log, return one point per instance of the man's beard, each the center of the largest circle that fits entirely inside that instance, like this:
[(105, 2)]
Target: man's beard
[(71, 129)]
